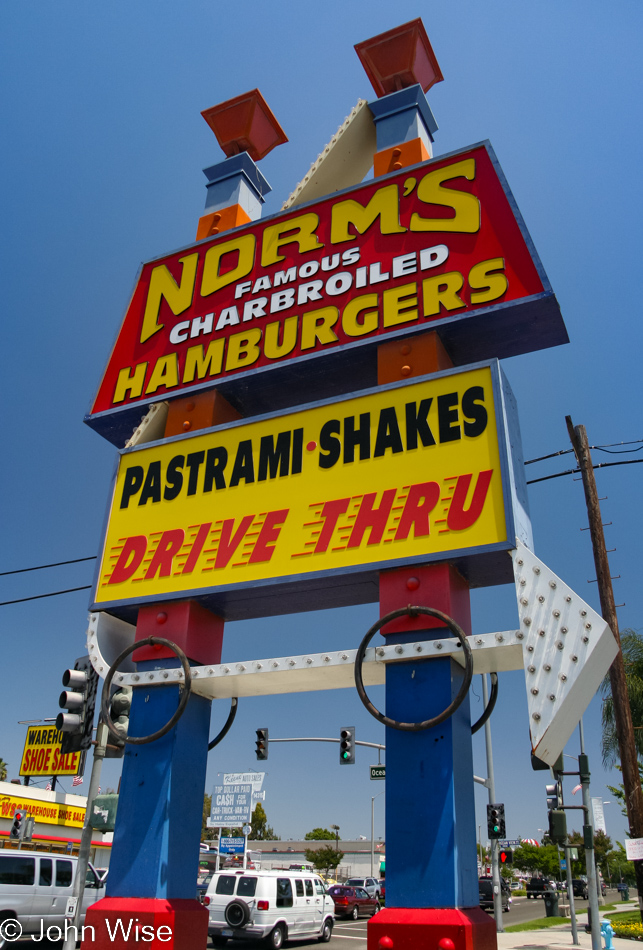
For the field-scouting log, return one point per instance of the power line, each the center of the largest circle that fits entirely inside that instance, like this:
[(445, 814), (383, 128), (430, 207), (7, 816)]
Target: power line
[(574, 471), (41, 567), (54, 593), (598, 448)]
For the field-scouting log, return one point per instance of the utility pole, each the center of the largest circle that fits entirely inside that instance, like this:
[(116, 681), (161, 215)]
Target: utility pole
[(622, 711)]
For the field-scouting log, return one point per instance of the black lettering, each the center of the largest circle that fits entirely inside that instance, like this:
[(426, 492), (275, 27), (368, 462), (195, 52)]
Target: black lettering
[(131, 483), (194, 462), (471, 409), (243, 464), (297, 451), (152, 487), (360, 436), (388, 433), (417, 424), (273, 457), (174, 478), (448, 418), (329, 446), (215, 463)]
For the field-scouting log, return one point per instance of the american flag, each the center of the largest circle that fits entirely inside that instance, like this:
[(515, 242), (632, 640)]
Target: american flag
[(48, 787), (78, 780), (577, 789)]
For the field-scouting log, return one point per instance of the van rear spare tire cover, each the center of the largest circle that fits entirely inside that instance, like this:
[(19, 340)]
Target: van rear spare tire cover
[(237, 913)]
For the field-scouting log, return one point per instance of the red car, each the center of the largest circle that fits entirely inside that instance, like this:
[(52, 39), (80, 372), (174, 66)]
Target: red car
[(353, 902)]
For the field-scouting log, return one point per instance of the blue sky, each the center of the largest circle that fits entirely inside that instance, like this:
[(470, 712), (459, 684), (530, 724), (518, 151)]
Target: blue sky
[(103, 147)]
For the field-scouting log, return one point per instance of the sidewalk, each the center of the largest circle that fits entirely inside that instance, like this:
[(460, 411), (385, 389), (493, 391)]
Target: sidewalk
[(560, 937)]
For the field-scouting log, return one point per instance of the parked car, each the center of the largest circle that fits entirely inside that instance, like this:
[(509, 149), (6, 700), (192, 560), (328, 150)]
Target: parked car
[(36, 885), (370, 885), (539, 886), (271, 905), (485, 886), (580, 889), (353, 902)]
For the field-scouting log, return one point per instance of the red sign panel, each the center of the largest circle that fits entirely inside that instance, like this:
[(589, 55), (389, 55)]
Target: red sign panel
[(440, 244)]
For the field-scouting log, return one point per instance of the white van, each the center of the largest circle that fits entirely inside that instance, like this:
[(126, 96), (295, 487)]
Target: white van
[(35, 887), (268, 905)]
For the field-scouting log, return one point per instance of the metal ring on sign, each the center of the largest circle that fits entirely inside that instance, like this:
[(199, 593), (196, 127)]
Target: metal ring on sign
[(183, 701), (411, 611), (234, 705), (493, 696)]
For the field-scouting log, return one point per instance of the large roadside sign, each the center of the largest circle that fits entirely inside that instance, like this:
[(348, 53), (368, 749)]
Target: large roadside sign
[(304, 298), (268, 516), (231, 806), (42, 754)]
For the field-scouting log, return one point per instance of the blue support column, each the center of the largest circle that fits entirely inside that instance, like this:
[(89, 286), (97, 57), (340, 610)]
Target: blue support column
[(158, 830), (430, 809)]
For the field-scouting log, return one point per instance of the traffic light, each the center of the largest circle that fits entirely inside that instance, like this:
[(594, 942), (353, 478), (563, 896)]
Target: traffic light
[(347, 745), (119, 710), (506, 856), (262, 744), (558, 826), (496, 821), (18, 826), (77, 722), (554, 795)]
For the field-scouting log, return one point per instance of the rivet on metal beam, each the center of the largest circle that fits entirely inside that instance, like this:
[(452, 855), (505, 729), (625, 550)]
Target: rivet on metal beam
[(532, 669), (574, 658), (547, 668), (560, 645), (399, 649), (527, 621), (534, 691), (519, 635), (552, 697), (438, 645), (552, 584)]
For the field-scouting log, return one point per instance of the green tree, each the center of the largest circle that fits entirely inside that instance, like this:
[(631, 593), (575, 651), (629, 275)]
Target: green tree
[(4, 768), (319, 834), (324, 859), (207, 834), (632, 647), (543, 859), (602, 848), (261, 830)]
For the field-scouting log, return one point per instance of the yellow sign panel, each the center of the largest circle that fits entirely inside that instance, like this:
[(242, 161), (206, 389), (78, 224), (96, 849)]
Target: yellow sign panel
[(49, 813), (401, 474), (42, 754)]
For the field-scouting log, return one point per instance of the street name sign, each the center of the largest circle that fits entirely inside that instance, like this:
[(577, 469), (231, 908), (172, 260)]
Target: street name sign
[(378, 772)]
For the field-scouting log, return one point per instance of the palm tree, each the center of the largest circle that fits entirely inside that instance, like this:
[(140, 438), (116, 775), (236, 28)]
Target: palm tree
[(632, 647), (3, 770)]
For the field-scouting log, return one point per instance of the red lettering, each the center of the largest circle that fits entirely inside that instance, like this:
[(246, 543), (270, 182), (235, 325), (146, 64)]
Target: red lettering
[(420, 502), (196, 548), (228, 543), (373, 518), (47, 757), (460, 517), (129, 559), (40, 759), (55, 763), (265, 544), (170, 544), (330, 513)]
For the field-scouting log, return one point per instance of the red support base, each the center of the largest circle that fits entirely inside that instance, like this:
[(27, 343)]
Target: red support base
[(119, 923), (432, 928)]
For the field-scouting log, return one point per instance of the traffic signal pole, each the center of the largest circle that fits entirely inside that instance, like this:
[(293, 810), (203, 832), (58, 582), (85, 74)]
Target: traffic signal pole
[(491, 786)]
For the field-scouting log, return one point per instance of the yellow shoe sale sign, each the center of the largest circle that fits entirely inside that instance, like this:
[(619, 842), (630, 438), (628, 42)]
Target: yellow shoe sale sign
[(268, 515)]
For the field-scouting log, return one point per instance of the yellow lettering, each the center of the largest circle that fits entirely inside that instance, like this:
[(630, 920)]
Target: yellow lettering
[(243, 349), (271, 346), (163, 286), (442, 290), (383, 205), (466, 207), (277, 235), (490, 285), (200, 364), (352, 324), (399, 305), (213, 279), (129, 382), (317, 325), (165, 373)]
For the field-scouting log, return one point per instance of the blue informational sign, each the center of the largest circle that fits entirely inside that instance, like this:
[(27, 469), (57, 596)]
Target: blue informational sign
[(231, 805), (231, 845)]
